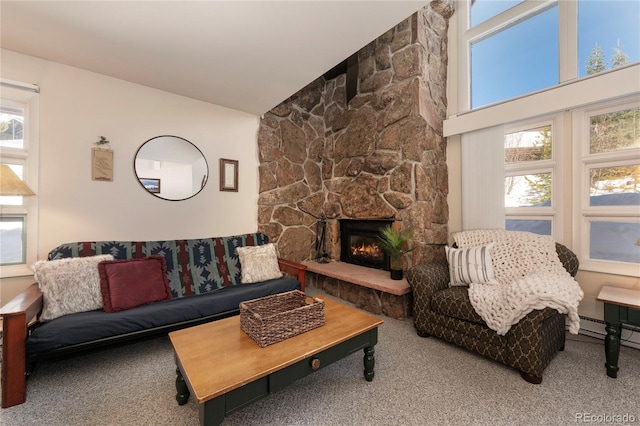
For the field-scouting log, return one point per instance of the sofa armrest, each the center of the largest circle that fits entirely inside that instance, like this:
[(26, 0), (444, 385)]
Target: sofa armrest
[(568, 258), (16, 317), (535, 339), (293, 268), (428, 278), (425, 280)]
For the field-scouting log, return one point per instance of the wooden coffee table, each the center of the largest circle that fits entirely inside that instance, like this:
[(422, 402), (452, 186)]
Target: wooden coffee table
[(225, 370)]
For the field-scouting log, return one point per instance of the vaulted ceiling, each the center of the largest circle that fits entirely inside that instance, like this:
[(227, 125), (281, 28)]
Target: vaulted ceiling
[(245, 55)]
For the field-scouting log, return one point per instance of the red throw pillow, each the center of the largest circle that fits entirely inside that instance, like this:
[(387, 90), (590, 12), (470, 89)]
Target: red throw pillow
[(128, 283)]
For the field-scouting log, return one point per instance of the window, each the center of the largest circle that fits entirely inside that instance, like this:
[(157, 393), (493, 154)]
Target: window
[(503, 98), (530, 182), (517, 60), (18, 150), (11, 126), (608, 139), (512, 48), (607, 35), (12, 240)]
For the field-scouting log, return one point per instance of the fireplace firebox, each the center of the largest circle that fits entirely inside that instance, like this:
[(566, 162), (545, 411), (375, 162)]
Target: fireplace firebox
[(359, 243)]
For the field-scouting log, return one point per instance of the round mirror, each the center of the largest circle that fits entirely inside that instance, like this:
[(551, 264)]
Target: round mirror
[(171, 168)]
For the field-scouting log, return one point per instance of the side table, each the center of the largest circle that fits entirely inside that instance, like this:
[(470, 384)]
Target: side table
[(621, 306)]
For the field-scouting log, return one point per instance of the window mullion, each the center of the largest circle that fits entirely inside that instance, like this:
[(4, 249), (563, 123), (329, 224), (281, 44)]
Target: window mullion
[(539, 166), (613, 158), (629, 212), (530, 211), (507, 18), (13, 153), (568, 40)]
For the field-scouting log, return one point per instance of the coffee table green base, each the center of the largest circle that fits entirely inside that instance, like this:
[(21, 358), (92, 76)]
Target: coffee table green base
[(614, 317), (213, 412)]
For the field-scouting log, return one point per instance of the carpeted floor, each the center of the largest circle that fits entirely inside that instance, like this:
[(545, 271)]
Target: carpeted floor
[(418, 382)]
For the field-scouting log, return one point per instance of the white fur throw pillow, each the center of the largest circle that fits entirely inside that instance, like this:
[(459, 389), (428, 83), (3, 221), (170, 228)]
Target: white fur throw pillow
[(258, 263), (69, 285), (470, 265)]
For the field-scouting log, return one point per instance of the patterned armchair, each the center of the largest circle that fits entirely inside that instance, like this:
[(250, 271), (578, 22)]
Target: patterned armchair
[(446, 312)]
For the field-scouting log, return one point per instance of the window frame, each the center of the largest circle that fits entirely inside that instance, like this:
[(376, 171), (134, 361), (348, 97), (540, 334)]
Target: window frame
[(472, 129), (552, 165), (524, 13), (494, 25), (584, 212), (28, 158), (571, 92)]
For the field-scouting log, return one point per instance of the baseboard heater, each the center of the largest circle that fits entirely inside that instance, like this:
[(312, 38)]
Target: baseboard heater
[(594, 327)]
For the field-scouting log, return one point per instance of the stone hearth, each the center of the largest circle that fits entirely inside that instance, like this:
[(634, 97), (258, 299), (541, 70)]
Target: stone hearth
[(367, 288)]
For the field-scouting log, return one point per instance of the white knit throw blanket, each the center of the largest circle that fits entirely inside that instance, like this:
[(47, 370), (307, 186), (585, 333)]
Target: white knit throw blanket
[(531, 277)]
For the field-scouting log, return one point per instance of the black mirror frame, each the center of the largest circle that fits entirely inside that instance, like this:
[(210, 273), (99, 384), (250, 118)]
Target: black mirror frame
[(205, 178)]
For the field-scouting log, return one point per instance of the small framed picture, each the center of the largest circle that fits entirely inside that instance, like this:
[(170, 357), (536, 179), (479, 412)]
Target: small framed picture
[(151, 184), (228, 175), (102, 164)]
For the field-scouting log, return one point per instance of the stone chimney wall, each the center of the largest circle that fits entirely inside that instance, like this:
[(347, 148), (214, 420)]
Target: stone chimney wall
[(380, 156)]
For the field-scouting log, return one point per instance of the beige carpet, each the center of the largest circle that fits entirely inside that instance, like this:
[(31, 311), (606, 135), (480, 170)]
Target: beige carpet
[(418, 382)]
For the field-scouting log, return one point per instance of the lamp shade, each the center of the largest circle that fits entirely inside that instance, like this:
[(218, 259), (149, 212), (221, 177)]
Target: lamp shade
[(11, 184)]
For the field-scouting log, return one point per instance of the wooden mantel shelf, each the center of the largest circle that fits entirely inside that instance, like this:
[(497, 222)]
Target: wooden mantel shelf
[(367, 277)]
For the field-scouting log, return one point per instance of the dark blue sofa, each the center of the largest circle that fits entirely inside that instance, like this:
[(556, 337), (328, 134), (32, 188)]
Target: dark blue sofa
[(204, 278)]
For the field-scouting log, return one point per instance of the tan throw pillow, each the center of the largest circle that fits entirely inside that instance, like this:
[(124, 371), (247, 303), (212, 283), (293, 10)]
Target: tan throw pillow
[(69, 285), (258, 263)]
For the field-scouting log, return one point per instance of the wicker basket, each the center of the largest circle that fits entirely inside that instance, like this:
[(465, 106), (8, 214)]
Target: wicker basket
[(272, 319)]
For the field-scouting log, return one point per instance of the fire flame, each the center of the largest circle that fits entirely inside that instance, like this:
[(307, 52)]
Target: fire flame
[(366, 250)]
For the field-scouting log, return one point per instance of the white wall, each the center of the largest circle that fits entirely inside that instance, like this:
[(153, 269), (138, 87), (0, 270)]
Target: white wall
[(76, 108)]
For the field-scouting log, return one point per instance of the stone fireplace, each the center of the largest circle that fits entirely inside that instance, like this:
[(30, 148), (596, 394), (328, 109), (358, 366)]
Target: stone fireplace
[(359, 243), (381, 155)]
